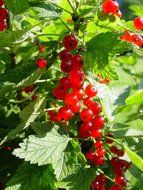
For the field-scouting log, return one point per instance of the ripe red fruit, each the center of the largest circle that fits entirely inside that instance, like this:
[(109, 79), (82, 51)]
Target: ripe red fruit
[(66, 66), (98, 143), (71, 99), (115, 187), (138, 23), (114, 149), (99, 161), (110, 6), (76, 76), (53, 116), (65, 83), (127, 36), (114, 161), (75, 108), (90, 91), (42, 48), (96, 133), (3, 25), (64, 113), (86, 115), (120, 153), (100, 152), (120, 180), (118, 14), (95, 185), (3, 13), (79, 93), (108, 140), (59, 93), (98, 122), (84, 130), (90, 156), (77, 61), (70, 42), (29, 89), (65, 55), (1, 3), (137, 39), (41, 63)]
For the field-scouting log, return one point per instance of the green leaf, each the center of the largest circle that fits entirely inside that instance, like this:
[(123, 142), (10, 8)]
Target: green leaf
[(136, 98), (138, 10), (45, 10), (28, 115), (17, 6), (47, 150), (30, 80), (137, 160), (30, 177), (80, 180), (5, 89)]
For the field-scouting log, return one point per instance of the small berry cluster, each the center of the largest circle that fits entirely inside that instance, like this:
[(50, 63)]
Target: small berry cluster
[(111, 7), (133, 38), (138, 23), (3, 16), (99, 183), (41, 62)]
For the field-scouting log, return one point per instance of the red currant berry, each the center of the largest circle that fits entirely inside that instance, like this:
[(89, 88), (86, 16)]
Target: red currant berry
[(98, 122), (53, 116), (79, 93), (96, 108), (84, 130), (108, 140), (96, 133), (42, 48), (101, 178), (118, 170), (90, 155), (8, 148), (110, 6), (65, 55), (120, 180), (59, 93), (115, 187), (3, 13), (114, 161), (95, 185), (99, 161), (29, 89), (86, 115), (64, 113), (127, 36), (71, 99), (66, 66), (113, 149), (138, 23), (98, 143), (65, 83), (118, 14), (100, 152), (3, 25), (77, 61), (137, 39), (75, 108), (120, 153), (41, 63), (70, 42), (90, 91), (1, 3)]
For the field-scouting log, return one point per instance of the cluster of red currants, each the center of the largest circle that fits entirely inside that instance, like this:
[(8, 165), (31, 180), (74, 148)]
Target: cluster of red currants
[(30, 91), (3, 16), (132, 38), (41, 62), (111, 7)]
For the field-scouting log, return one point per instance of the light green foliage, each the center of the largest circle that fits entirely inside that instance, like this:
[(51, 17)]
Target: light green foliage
[(136, 98)]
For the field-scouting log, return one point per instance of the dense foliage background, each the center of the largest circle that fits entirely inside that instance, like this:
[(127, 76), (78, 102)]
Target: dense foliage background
[(32, 23)]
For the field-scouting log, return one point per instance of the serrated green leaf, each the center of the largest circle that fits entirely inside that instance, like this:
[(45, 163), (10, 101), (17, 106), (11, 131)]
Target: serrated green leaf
[(80, 180), (136, 98), (27, 116), (138, 10), (47, 150), (30, 80), (6, 88), (17, 6), (45, 10), (137, 160), (30, 177)]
